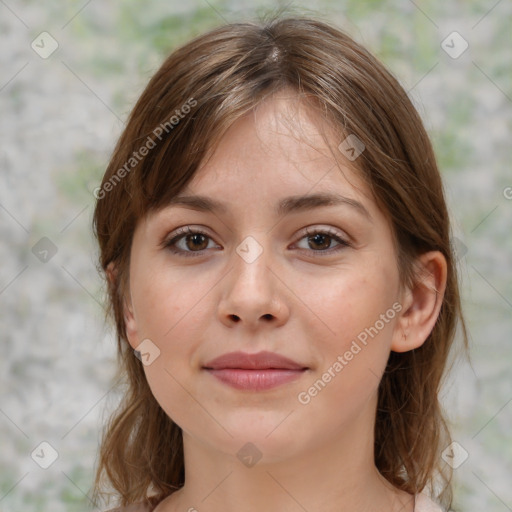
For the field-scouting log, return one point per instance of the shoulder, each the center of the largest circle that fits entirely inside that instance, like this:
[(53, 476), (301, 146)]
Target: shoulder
[(425, 504)]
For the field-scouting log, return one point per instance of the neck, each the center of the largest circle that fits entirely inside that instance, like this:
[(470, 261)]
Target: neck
[(336, 473)]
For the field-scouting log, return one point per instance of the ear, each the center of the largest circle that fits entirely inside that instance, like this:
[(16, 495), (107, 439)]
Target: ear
[(421, 303), (128, 313)]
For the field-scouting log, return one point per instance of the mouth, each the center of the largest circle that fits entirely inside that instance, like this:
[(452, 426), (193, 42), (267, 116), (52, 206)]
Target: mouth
[(254, 372), (255, 380)]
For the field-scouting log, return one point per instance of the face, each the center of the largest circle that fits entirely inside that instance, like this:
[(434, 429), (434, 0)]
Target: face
[(314, 282)]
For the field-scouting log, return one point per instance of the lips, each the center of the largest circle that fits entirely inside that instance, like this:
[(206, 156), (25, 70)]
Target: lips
[(260, 361), (254, 372)]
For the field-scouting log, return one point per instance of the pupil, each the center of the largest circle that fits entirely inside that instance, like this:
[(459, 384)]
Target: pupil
[(321, 237), (318, 238), (195, 239)]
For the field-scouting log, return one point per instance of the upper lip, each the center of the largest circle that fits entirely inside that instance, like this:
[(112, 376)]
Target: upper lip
[(260, 361)]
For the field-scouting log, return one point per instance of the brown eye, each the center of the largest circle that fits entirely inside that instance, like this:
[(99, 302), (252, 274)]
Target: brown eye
[(196, 241), (191, 242), (319, 241)]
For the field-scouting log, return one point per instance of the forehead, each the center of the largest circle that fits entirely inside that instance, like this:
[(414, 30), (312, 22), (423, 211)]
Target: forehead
[(281, 148)]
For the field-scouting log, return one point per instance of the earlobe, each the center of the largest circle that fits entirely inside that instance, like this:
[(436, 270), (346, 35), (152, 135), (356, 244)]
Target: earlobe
[(111, 273), (422, 303)]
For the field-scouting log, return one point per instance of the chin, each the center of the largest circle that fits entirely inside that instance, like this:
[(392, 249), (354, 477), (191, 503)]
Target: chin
[(271, 435)]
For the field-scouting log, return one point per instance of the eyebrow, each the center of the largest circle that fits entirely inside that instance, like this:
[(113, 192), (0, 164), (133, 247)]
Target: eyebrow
[(286, 206)]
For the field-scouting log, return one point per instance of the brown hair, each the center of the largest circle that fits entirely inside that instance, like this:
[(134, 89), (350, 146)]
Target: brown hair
[(221, 76)]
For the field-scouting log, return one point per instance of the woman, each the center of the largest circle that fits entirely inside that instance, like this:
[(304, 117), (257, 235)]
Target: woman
[(275, 236)]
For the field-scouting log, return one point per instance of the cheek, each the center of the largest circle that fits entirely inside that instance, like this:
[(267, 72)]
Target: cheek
[(353, 302), (171, 311), (172, 320), (354, 348), (164, 302), (357, 322)]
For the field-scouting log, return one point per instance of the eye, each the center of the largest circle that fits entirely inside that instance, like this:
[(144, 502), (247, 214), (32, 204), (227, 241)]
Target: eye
[(193, 242), (322, 239)]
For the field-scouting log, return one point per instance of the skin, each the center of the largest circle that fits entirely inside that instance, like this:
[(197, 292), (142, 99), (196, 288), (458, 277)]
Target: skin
[(293, 299)]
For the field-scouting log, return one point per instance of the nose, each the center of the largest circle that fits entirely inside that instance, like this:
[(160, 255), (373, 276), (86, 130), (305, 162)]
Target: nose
[(252, 292)]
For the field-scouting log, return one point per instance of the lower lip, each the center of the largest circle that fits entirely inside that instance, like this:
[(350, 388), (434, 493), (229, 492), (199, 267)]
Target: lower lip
[(255, 380)]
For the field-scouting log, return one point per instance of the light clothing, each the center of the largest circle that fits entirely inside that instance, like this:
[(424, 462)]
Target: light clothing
[(423, 504), (133, 508)]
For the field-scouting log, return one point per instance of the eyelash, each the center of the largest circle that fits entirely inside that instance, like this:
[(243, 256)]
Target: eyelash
[(183, 232)]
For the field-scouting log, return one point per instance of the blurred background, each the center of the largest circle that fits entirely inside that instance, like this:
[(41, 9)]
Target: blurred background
[(70, 72)]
